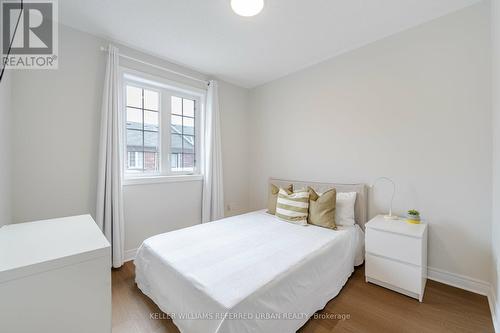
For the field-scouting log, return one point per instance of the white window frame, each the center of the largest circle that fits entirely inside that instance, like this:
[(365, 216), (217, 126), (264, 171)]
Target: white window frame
[(167, 89)]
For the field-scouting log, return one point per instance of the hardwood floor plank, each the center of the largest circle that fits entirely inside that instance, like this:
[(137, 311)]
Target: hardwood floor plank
[(360, 307)]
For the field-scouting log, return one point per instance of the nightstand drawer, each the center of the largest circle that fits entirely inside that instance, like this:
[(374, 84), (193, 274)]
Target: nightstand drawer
[(397, 274), (396, 246)]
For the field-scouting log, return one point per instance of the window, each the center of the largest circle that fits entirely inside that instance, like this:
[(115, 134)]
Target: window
[(183, 138), (162, 128), (143, 128)]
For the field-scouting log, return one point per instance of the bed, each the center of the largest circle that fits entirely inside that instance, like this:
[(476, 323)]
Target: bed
[(252, 272)]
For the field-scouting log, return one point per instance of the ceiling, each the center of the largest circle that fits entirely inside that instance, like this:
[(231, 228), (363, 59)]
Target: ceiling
[(205, 35)]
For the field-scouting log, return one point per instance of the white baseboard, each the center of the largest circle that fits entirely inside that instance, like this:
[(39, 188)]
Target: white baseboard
[(495, 309), (460, 281), (129, 255), (470, 284)]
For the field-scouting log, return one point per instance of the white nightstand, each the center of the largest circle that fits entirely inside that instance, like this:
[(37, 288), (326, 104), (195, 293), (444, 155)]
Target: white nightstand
[(396, 255)]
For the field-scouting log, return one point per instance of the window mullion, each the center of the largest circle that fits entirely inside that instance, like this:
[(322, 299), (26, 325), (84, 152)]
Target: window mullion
[(166, 119), (143, 133), (182, 134)]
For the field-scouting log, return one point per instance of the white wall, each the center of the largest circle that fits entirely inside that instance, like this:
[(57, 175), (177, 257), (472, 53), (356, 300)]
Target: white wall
[(414, 107), (5, 149), (156, 208), (495, 279), (235, 146), (56, 130)]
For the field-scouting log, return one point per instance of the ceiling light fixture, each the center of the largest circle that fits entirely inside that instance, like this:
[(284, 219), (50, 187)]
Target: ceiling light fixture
[(247, 7)]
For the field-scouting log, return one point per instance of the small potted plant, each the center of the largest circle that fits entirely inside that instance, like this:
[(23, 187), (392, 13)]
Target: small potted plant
[(413, 216)]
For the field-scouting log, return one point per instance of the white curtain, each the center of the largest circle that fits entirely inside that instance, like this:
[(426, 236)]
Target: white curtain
[(109, 212), (213, 192)]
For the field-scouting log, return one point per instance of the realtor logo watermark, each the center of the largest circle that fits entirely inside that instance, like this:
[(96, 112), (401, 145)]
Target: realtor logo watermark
[(34, 43)]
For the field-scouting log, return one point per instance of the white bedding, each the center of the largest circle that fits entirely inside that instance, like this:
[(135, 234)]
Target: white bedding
[(248, 273)]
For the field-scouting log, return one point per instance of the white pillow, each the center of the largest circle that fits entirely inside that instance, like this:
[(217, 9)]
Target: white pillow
[(344, 210)]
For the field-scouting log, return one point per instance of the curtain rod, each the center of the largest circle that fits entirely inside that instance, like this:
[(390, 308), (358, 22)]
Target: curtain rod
[(104, 49)]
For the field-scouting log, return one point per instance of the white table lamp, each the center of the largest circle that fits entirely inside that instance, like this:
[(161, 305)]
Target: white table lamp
[(388, 216)]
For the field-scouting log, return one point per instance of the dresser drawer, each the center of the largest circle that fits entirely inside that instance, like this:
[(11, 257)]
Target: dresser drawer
[(396, 246), (397, 274)]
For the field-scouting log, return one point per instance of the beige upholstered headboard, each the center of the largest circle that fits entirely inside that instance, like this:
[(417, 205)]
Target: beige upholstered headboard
[(361, 206)]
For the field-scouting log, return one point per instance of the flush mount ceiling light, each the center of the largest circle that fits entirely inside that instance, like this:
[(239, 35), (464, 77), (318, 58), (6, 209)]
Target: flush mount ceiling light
[(247, 7)]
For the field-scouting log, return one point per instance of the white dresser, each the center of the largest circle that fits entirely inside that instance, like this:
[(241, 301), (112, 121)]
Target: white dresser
[(396, 255), (55, 276)]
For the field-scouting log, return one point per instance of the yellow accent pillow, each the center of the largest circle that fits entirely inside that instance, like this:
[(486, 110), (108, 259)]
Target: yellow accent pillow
[(273, 197), (322, 208)]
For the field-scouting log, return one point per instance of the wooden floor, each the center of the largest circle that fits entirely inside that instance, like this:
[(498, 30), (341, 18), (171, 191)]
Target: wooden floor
[(360, 307)]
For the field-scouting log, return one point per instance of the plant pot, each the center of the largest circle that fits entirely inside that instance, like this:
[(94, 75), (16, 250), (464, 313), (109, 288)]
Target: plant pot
[(414, 219)]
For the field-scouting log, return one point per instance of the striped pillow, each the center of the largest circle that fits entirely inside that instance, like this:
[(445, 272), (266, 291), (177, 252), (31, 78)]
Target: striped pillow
[(293, 207)]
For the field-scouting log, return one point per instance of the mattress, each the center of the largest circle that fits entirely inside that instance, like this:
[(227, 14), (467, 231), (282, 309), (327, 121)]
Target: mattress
[(248, 273)]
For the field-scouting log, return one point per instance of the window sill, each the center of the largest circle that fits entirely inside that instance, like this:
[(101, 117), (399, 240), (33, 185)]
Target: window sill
[(161, 179)]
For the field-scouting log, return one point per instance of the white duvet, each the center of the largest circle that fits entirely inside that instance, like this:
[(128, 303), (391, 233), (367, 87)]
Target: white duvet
[(248, 273)]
